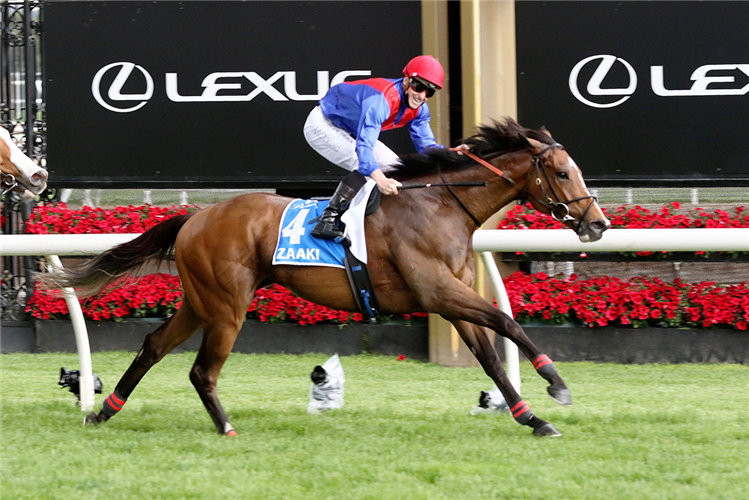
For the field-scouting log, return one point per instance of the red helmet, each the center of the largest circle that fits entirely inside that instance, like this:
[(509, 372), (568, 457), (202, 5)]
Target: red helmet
[(427, 68)]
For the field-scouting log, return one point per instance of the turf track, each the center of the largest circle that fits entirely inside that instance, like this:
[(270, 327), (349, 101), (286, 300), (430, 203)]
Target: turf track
[(634, 432)]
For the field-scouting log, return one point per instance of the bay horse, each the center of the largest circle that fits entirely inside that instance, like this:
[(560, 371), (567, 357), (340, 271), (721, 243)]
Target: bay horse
[(18, 172), (420, 258)]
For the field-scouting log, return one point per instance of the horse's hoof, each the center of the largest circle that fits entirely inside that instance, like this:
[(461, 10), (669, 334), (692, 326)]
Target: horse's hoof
[(91, 419), (560, 394), (546, 430)]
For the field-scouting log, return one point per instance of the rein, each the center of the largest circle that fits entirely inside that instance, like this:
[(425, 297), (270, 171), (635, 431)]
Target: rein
[(559, 210), (481, 162), (451, 184), (488, 165), (465, 209)]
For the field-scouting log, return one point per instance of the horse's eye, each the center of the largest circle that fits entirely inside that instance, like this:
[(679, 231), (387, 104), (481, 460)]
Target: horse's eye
[(563, 175)]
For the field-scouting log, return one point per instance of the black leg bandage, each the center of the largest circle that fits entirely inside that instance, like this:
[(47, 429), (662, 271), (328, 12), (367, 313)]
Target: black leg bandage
[(544, 366), (521, 412), (113, 404)]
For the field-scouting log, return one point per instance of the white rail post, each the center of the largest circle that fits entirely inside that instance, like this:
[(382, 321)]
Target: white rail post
[(87, 202), (86, 375), (512, 356)]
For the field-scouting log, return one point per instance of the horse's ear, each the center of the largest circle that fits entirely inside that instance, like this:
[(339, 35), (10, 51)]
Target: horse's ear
[(537, 145), (545, 131)]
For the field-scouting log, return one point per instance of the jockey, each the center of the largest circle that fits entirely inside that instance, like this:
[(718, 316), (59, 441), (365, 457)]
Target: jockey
[(346, 125)]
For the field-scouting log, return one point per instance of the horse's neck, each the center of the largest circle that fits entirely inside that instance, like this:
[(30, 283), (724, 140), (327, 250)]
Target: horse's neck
[(482, 202)]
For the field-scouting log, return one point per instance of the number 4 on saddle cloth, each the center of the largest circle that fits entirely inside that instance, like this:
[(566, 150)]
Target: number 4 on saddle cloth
[(297, 247)]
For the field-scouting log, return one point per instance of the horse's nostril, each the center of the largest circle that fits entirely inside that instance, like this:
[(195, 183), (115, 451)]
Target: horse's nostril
[(39, 177), (599, 225)]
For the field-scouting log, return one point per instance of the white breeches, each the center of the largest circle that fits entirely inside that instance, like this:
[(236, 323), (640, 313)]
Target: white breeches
[(338, 147)]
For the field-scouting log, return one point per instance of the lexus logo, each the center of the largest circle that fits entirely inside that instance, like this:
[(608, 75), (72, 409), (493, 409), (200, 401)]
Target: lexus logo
[(708, 80), (115, 88), (221, 86), (606, 62)]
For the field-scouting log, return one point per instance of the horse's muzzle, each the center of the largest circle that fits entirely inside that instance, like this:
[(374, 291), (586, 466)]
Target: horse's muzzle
[(38, 181), (593, 230)]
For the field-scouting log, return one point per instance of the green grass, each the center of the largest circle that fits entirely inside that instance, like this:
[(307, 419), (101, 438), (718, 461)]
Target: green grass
[(634, 432)]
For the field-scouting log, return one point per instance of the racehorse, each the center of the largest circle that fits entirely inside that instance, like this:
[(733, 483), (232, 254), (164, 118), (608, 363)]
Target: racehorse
[(420, 258), (17, 171)]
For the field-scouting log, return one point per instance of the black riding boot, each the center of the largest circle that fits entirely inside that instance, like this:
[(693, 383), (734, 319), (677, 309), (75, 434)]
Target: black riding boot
[(329, 226)]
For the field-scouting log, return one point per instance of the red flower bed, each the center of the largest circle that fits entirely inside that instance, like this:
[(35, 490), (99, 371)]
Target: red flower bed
[(637, 217), (640, 302), (160, 295), (152, 296), (275, 304), (49, 219), (596, 302), (53, 219)]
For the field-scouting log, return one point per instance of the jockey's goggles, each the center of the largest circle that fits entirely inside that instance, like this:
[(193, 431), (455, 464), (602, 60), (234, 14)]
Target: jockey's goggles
[(420, 86)]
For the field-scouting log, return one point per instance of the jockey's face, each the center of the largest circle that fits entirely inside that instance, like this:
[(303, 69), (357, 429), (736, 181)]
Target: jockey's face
[(417, 92)]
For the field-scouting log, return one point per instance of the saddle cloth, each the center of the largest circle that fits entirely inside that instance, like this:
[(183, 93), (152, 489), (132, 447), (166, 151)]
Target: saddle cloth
[(297, 247)]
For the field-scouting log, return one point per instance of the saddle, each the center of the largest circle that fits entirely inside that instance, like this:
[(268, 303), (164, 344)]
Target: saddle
[(373, 203), (356, 270)]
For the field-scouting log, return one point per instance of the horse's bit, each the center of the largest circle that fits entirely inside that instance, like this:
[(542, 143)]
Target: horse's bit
[(8, 180)]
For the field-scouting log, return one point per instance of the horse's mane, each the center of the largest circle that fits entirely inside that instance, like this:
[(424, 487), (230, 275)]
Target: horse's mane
[(490, 140)]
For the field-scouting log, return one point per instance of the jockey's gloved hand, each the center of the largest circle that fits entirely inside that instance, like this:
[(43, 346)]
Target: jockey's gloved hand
[(385, 184)]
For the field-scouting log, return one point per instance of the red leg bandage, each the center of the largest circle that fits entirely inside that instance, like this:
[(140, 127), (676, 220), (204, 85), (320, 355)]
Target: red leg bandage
[(113, 404), (521, 412), (544, 366)]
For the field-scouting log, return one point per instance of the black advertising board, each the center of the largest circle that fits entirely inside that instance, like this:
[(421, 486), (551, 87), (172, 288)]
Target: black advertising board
[(208, 93), (640, 93)]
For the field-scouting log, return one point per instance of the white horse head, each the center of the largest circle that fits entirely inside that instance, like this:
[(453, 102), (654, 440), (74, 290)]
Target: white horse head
[(19, 172)]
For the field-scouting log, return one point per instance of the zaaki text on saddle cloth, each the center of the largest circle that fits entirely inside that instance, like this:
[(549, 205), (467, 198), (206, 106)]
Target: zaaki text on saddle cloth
[(297, 247)]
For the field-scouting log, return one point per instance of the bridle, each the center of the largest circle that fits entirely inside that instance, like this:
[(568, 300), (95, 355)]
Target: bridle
[(559, 210), (8, 182)]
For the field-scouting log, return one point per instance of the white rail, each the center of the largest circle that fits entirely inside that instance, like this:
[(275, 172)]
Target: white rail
[(60, 244), (512, 356), (614, 240), (85, 374), (53, 245), (536, 240)]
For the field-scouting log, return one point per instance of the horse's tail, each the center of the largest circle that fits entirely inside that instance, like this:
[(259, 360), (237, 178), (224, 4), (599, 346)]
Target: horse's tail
[(150, 248)]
